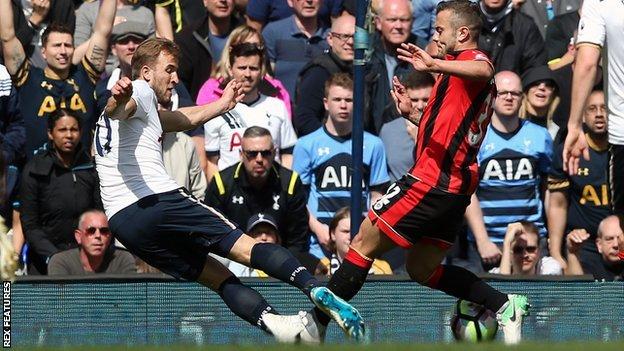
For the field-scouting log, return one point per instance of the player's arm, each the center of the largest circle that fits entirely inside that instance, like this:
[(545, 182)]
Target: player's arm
[(12, 49), (557, 214), (585, 69), (97, 50), (121, 105), (480, 70), (186, 118), (489, 252)]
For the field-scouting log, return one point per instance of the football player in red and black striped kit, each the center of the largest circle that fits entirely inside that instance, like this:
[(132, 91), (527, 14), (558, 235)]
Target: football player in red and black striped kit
[(422, 212)]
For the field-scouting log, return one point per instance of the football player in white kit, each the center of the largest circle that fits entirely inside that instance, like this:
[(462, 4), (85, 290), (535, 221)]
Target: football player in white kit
[(160, 222)]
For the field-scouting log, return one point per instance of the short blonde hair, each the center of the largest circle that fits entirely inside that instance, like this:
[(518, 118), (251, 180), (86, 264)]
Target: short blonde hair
[(148, 52)]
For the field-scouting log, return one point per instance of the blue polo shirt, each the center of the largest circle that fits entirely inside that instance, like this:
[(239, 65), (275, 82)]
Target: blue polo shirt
[(290, 49), (269, 11)]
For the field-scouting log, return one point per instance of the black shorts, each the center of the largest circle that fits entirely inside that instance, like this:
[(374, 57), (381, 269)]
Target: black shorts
[(174, 232), (413, 211)]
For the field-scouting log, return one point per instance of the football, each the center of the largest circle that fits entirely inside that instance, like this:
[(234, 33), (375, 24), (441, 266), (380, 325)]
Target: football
[(473, 323)]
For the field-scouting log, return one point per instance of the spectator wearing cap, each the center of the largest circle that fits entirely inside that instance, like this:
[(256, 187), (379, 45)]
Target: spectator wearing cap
[(258, 184), (94, 253), (262, 228), (540, 98), (127, 10)]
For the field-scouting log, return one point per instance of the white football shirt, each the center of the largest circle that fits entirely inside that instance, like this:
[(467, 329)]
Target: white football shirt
[(602, 23), (128, 154), (224, 134)]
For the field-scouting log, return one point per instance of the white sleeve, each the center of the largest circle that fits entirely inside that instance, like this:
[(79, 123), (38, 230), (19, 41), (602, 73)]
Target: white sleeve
[(143, 95), (211, 134), (592, 28), (288, 137)]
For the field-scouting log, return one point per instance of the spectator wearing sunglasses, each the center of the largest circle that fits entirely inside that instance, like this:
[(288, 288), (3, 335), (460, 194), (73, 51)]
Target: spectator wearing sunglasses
[(258, 184), (521, 253), (94, 253)]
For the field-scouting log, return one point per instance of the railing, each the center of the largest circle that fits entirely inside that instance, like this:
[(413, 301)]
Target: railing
[(154, 309)]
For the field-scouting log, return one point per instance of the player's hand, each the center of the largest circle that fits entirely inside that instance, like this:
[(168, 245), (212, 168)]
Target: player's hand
[(232, 94), (489, 252), (122, 90), (575, 240), (418, 57), (402, 101), (575, 145), (41, 8)]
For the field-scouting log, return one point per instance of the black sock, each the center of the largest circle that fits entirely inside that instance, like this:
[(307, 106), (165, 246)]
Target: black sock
[(280, 263), (244, 301), (346, 282), (463, 284)]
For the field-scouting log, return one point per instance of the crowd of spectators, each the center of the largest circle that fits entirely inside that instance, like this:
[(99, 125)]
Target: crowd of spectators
[(279, 164)]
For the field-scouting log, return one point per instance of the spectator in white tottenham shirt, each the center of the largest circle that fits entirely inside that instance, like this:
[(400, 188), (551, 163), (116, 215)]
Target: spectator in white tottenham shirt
[(224, 134)]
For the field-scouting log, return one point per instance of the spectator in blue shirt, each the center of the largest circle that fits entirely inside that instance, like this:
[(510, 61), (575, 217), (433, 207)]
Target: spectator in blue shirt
[(293, 41), (424, 20), (263, 12)]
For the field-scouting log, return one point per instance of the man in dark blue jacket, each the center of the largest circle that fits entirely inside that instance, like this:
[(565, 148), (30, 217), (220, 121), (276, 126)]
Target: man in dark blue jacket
[(12, 131)]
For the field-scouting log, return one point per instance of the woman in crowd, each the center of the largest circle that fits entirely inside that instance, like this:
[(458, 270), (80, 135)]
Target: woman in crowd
[(212, 88), (57, 185), (540, 98), (340, 236)]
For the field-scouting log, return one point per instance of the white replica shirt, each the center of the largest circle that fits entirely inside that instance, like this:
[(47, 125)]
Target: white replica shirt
[(128, 154), (602, 24), (224, 134)]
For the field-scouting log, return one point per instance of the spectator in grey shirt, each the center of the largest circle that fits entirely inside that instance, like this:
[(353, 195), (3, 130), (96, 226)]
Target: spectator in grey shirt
[(94, 253)]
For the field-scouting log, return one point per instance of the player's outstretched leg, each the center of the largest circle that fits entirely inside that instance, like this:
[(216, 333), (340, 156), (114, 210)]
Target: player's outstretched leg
[(249, 305), (510, 318), (279, 263)]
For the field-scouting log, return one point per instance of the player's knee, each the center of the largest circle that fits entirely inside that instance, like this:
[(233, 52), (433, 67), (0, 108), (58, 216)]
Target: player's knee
[(420, 274)]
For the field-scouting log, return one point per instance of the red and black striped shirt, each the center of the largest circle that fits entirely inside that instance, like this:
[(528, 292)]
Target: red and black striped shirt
[(452, 128)]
